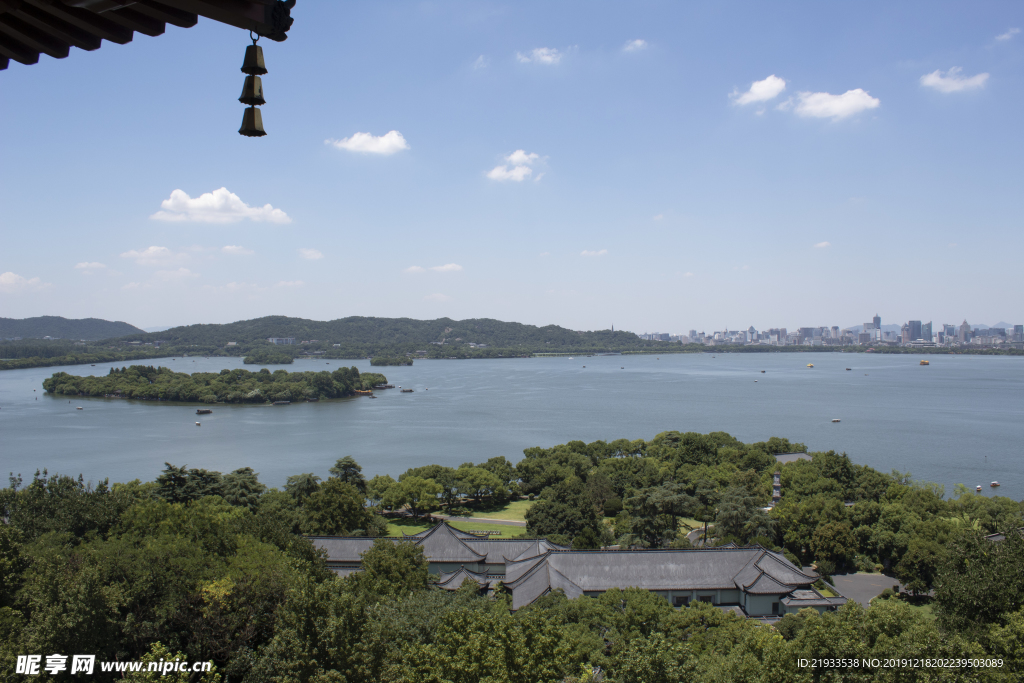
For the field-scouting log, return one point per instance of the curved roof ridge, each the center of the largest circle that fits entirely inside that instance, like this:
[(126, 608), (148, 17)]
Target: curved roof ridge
[(529, 572), (783, 566)]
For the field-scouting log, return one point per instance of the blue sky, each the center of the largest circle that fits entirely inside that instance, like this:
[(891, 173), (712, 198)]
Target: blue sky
[(659, 166)]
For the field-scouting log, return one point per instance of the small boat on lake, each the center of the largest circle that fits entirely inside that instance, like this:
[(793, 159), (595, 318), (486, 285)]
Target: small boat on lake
[(407, 391), (203, 411), (78, 408), (835, 419), (924, 362), (281, 403), (810, 365), (197, 424), (849, 368), (994, 484), (979, 488)]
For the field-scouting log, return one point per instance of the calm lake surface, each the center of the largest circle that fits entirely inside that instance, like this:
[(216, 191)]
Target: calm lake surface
[(957, 420)]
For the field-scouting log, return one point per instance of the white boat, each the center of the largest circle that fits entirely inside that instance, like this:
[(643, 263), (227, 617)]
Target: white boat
[(994, 484), (78, 408), (979, 488), (197, 424), (835, 419)]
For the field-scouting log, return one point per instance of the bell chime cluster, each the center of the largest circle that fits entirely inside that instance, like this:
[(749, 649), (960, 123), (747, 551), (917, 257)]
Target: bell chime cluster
[(252, 91)]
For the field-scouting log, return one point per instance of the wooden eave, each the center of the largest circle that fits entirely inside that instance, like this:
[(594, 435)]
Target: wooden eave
[(29, 28)]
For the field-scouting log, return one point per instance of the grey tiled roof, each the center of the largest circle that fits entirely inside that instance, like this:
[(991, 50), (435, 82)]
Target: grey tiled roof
[(752, 569), (452, 581), (441, 543)]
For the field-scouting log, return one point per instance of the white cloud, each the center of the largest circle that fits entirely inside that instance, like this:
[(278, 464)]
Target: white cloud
[(659, 217), (516, 174), (292, 283), (311, 254), (88, 267), (415, 269), (389, 143), (687, 274), (760, 91), (825, 105), (437, 297), (586, 252), (237, 250), (545, 253), (154, 256), (219, 206), (520, 157), (447, 268), (131, 285), (516, 167), (635, 45), (1009, 34), (481, 62), (822, 245), (172, 275), (953, 80), (540, 55), (12, 282)]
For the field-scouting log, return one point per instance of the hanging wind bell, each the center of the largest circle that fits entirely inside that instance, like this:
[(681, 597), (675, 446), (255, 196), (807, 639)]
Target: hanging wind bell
[(252, 90)]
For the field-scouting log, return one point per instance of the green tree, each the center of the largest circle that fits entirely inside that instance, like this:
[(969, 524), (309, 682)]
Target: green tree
[(301, 486), (243, 488), (418, 493), (392, 568), (336, 509), (349, 471), (377, 489), (919, 565), (979, 581)]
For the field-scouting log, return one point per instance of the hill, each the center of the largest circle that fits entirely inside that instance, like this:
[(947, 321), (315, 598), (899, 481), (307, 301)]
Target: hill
[(63, 328), (364, 336)]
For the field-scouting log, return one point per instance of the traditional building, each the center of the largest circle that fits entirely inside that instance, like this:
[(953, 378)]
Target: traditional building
[(750, 581)]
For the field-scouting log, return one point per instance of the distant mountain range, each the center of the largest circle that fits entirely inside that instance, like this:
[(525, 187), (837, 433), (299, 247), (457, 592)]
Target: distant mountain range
[(399, 333), (64, 328)]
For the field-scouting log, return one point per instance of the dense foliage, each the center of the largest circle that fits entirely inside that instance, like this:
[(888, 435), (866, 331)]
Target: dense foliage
[(227, 386), (390, 360), (266, 356), (63, 328), (214, 567)]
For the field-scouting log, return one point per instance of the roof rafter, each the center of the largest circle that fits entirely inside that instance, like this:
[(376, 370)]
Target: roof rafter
[(29, 28)]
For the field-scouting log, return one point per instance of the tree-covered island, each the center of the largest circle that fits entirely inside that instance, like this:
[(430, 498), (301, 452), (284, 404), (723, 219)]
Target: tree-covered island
[(147, 383)]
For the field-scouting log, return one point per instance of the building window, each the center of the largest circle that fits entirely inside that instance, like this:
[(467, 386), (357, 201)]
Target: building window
[(679, 601), (775, 608), (707, 598)]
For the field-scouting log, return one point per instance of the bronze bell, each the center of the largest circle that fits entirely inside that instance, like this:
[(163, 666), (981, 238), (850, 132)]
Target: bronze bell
[(252, 91), (254, 64), (252, 124)]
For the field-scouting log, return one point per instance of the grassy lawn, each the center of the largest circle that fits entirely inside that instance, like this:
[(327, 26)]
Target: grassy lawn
[(514, 511), (922, 606), (397, 527)]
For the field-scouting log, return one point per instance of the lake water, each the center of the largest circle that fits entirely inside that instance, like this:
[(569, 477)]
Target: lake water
[(957, 420)]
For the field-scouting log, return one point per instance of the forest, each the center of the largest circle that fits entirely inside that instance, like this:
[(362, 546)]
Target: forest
[(215, 567), (227, 386)]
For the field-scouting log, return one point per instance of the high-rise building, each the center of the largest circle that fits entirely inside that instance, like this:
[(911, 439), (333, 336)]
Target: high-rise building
[(915, 329), (1018, 333), (835, 331), (877, 321), (905, 334), (692, 335), (965, 332), (926, 331)]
